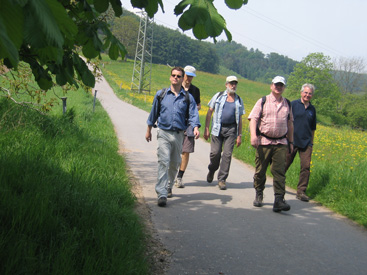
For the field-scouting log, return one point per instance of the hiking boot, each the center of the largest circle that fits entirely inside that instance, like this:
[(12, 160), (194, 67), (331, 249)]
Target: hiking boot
[(302, 197), (222, 185), (210, 176), (258, 202), (179, 183), (169, 193), (280, 204), (162, 201)]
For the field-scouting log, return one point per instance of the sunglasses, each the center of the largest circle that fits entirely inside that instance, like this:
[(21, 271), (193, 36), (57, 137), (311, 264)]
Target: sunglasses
[(176, 75)]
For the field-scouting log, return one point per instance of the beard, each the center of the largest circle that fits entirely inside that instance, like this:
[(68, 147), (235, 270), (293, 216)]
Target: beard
[(231, 91)]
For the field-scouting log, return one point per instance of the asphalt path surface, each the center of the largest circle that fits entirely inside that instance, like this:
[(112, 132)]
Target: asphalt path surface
[(210, 231)]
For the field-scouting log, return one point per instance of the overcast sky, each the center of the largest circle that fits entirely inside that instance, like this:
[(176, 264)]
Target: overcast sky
[(293, 28)]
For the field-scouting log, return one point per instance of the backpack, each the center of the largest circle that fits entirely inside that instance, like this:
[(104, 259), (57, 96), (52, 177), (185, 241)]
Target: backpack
[(187, 100), (258, 133)]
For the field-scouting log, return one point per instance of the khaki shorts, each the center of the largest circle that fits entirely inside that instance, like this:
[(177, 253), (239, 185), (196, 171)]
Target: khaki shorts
[(188, 144)]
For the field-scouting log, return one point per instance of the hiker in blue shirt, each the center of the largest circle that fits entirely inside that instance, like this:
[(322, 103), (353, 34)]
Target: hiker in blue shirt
[(304, 114), (228, 109), (174, 109)]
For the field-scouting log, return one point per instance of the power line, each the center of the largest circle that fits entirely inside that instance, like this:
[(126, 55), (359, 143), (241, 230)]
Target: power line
[(290, 30)]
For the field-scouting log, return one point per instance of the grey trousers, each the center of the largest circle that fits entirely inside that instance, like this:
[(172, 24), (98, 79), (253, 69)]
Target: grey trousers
[(169, 159), (224, 142)]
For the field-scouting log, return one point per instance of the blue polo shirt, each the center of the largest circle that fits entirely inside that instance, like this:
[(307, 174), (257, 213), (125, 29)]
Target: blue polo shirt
[(172, 115), (304, 123)]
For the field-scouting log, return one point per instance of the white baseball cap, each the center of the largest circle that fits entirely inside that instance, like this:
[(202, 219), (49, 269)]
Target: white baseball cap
[(278, 79), (190, 71), (231, 78)]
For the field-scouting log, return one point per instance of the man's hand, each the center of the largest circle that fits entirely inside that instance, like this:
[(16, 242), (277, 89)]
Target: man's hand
[(196, 132), (254, 141), (206, 133), (148, 134), (239, 141)]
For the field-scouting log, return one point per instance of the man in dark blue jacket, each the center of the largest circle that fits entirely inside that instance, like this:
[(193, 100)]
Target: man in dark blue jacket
[(304, 114), (174, 112)]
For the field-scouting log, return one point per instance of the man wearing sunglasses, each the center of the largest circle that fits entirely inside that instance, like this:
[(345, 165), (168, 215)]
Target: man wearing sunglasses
[(171, 113), (271, 128)]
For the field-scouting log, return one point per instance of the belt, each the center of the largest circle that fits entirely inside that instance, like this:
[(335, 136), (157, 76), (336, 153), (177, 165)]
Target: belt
[(228, 124)]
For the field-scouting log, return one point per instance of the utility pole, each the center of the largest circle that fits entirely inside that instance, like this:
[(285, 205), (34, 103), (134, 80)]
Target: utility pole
[(142, 73)]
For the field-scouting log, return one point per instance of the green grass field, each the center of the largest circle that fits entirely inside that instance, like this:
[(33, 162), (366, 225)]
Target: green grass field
[(339, 164), (65, 201)]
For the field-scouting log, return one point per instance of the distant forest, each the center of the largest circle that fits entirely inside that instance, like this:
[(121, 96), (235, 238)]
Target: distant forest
[(173, 48)]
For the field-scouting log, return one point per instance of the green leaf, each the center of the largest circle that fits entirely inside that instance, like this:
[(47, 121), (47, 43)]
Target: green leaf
[(65, 23), (7, 47), (89, 51), (116, 5), (215, 23), (101, 5), (180, 7), (113, 52), (235, 4), (151, 8), (228, 34), (11, 17), (139, 3), (44, 22), (83, 71), (200, 31), (49, 53), (186, 22)]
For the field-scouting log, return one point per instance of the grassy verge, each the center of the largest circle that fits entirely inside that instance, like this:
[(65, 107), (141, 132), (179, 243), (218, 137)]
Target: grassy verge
[(339, 160), (65, 201)]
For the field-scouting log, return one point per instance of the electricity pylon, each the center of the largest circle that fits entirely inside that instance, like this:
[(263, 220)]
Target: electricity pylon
[(142, 72)]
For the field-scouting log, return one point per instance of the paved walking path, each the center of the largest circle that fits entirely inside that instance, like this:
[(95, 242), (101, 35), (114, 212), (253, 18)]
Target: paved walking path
[(210, 231)]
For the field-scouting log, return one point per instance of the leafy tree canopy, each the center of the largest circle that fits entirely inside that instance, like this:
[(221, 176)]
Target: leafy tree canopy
[(316, 68), (47, 34)]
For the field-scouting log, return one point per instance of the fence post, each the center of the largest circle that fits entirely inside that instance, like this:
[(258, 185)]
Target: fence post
[(94, 101), (64, 105)]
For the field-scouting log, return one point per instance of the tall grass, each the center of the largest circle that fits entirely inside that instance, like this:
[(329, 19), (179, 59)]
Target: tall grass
[(339, 166), (65, 201)]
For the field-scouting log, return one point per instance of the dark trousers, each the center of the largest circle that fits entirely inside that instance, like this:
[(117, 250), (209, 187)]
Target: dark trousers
[(305, 159), (224, 142), (275, 155)]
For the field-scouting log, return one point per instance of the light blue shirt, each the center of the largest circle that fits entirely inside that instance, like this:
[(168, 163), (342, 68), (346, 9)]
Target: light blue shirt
[(172, 116), (217, 103)]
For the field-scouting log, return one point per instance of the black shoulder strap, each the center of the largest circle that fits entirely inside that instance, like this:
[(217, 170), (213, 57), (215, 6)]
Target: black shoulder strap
[(160, 98), (290, 108), (263, 100), (187, 99), (219, 94)]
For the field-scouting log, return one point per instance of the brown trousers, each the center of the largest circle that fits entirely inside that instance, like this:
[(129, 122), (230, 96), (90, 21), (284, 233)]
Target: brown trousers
[(305, 159)]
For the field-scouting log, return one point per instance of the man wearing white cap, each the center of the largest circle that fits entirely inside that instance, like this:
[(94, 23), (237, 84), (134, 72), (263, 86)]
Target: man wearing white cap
[(189, 139), (226, 130), (271, 127)]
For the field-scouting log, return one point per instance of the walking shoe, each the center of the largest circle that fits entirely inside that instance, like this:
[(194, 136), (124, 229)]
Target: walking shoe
[(302, 197), (258, 202), (280, 204), (169, 193), (210, 176), (179, 183), (222, 185), (162, 201)]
